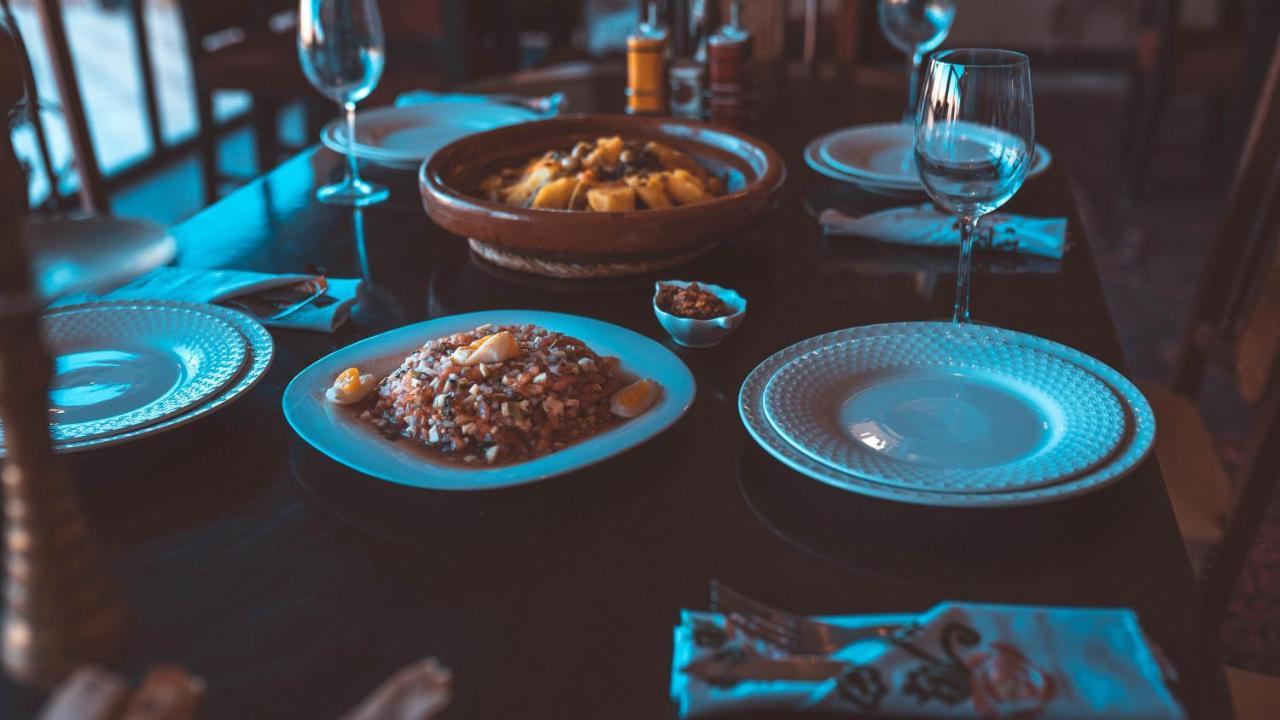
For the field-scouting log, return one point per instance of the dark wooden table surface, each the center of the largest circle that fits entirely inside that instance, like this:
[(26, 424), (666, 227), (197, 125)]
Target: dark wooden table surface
[(294, 586)]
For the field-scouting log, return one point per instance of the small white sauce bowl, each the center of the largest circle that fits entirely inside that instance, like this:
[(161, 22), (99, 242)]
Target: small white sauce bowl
[(694, 333)]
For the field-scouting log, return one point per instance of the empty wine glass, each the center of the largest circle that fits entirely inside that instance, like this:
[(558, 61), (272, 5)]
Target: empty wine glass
[(916, 27), (340, 46), (974, 139)]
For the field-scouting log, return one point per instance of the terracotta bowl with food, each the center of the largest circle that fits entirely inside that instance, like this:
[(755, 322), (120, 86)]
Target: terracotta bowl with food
[(599, 195)]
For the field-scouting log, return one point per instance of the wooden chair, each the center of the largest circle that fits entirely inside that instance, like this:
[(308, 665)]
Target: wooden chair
[(232, 46), (92, 185), (1235, 326), (1170, 60)]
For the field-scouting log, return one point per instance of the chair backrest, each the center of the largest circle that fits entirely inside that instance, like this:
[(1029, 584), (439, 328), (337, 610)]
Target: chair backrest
[(1236, 324), (93, 193), (210, 17), (1236, 272)]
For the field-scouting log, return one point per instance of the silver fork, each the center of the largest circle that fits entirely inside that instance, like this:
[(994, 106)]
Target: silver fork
[(789, 632), (318, 287)]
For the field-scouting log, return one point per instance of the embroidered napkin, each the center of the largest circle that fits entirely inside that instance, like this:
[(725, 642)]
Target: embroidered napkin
[(958, 660), (926, 225), (248, 291)]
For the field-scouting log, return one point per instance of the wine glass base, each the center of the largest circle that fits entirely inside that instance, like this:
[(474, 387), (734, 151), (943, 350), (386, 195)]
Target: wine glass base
[(352, 193)]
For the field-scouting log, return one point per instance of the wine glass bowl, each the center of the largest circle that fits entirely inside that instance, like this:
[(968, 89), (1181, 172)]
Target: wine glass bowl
[(974, 139), (916, 27), (341, 48)]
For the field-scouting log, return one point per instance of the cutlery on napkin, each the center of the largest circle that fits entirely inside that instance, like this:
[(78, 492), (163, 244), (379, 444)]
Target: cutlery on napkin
[(927, 226), (956, 660), (297, 302)]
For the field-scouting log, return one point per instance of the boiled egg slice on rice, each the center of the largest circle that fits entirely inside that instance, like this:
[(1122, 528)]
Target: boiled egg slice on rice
[(635, 398), (351, 387)]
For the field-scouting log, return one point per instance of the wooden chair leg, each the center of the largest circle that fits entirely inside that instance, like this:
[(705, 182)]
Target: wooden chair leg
[(1216, 109), (1260, 482), (316, 112), (1132, 106), (266, 133), (208, 145), (1148, 121)]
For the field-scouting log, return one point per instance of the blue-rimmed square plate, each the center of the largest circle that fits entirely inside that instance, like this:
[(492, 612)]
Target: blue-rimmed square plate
[(339, 433)]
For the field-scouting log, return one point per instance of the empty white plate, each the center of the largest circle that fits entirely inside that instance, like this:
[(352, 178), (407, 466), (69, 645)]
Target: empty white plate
[(937, 408), (1140, 428), (882, 155), (403, 137), (261, 350), (120, 367)]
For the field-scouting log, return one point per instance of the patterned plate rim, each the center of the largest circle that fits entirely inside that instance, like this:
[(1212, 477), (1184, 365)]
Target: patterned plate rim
[(874, 470), (260, 354), (185, 395), (1137, 446), (816, 149)]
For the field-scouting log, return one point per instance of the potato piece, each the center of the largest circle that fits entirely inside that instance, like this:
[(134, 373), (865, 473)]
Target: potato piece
[(612, 199), (606, 154), (684, 188), (555, 195), (540, 173), (578, 198), (672, 159), (650, 190)]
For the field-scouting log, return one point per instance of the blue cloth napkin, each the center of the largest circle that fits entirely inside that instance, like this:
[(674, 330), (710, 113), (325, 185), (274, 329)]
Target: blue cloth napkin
[(927, 226), (959, 660), (325, 314)]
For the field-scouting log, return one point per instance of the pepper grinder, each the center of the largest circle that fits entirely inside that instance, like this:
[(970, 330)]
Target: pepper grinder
[(729, 67), (61, 609)]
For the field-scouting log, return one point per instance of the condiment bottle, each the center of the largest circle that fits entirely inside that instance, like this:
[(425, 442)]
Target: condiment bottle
[(729, 65), (646, 66)]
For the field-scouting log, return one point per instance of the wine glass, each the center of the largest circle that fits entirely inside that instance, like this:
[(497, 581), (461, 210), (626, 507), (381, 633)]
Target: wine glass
[(974, 139), (340, 46), (916, 27)]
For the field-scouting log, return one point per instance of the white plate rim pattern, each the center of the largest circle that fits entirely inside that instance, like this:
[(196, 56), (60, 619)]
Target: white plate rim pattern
[(1137, 446), (329, 135), (311, 417), (879, 469), (230, 352), (261, 352), (885, 184)]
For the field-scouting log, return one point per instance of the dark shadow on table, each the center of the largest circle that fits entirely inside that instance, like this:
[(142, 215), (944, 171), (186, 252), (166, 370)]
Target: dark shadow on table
[(489, 521), (957, 549)]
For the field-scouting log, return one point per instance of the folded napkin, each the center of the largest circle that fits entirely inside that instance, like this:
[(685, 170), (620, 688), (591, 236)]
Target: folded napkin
[(958, 660), (926, 225), (260, 294)]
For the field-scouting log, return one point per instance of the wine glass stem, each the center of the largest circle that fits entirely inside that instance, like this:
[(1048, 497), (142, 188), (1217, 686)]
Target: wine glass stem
[(968, 231), (913, 85), (353, 170)]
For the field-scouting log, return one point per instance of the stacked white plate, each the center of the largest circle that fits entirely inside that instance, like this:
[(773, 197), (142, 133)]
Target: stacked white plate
[(880, 158), (949, 415), (126, 370), (401, 138)]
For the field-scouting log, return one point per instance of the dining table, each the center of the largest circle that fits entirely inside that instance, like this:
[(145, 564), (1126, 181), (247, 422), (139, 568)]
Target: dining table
[(293, 585)]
